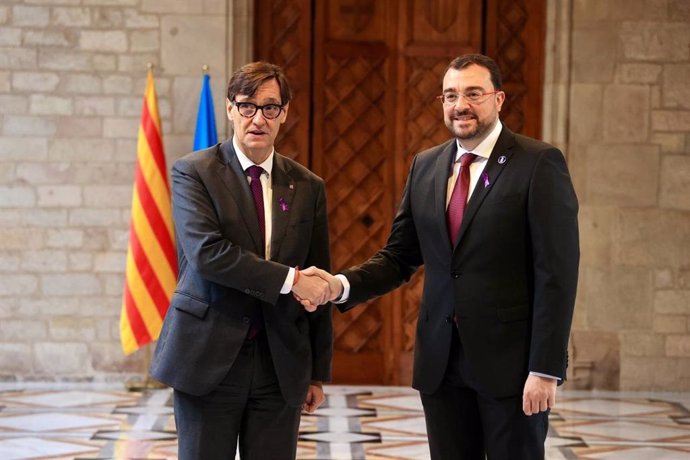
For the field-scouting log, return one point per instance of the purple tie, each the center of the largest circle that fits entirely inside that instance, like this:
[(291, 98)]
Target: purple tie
[(458, 200), (254, 172)]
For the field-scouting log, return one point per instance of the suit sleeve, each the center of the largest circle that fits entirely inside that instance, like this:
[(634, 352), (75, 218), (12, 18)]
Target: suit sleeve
[(320, 321), (208, 251), (395, 263), (552, 217)]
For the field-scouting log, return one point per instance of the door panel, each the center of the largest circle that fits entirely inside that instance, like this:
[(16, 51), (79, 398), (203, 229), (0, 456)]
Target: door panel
[(366, 74)]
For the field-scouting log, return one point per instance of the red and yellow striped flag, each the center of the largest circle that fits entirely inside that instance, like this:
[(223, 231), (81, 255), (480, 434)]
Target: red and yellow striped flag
[(151, 272)]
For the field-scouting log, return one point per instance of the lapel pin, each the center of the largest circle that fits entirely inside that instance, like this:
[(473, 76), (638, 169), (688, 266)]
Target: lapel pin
[(485, 179), (283, 204), (292, 187), (502, 159)]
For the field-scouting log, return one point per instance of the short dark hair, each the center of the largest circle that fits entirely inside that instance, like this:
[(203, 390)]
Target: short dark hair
[(466, 60), (247, 79)]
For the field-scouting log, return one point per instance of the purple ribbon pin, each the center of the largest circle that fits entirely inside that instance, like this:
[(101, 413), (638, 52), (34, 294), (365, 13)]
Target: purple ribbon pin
[(283, 205), (485, 179)]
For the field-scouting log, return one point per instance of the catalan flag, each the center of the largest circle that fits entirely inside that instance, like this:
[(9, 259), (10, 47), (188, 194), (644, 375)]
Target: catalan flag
[(205, 134), (151, 271)]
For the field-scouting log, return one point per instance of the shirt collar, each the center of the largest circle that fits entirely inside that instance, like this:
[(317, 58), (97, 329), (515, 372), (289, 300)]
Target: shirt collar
[(245, 162), (485, 148)]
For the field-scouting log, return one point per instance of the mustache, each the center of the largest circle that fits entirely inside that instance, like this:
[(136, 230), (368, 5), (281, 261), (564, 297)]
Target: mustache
[(462, 113)]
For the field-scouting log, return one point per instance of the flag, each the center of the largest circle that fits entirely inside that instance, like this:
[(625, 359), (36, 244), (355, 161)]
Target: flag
[(205, 133), (151, 269)]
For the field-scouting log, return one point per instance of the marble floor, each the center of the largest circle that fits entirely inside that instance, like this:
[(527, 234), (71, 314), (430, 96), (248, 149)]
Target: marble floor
[(376, 423)]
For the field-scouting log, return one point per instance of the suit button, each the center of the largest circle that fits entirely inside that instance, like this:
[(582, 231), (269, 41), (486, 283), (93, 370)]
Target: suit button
[(455, 275), (449, 319), (246, 319)]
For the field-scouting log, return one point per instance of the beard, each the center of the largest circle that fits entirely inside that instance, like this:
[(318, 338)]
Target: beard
[(477, 130)]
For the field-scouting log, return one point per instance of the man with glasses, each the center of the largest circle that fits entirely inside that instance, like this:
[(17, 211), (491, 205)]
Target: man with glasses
[(492, 215), (243, 356)]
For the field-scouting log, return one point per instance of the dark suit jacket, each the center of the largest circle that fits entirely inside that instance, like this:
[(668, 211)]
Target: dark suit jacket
[(511, 279), (224, 280)]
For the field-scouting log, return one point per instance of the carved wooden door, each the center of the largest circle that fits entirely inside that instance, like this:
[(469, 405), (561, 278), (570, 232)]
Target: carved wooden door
[(366, 74)]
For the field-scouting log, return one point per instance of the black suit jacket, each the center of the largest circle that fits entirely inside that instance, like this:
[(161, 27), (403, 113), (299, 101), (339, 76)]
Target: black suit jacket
[(511, 279), (224, 280)]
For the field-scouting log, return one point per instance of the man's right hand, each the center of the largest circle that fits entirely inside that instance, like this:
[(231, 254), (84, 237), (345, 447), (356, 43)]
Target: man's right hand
[(311, 290), (335, 286)]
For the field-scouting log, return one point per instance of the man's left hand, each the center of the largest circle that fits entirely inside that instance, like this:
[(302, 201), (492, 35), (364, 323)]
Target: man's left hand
[(315, 397), (539, 394)]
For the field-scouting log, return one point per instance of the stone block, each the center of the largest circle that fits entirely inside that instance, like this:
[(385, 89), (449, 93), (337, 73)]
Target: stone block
[(10, 36), (623, 106), (81, 261), (684, 278), (114, 41), (669, 142), (107, 196), (675, 182), (94, 105), (104, 173), (63, 196), (42, 104), (44, 261), (663, 278), (44, 173), (672, 302), (652, 374), (120, 127), (129, 107), (588, 54), (62, 358), (638, 73), (50, 307), (71, 328), (83, 84), (117, 84), (619, 298), (49, 218), (76, 284), (119, 3), (63, 60), (17, 58), (20, 149), (596, 235), (594, 361), (23, 284), (9, 218), (678, 346), (119, 238), (4, 82), (7, 173), (135, 20), (612, 168), (136, 64), (104, 62), (19, 239), (670, 324), (171, 6), (676, 90), (108, 18), (92, 217), (655, 41), (15, 358), (35, 81), (71, 17), (17, 197), (47, 38), (108, 357), (109, 262), (29, 126), (96, 239), (9, 262), (195, 37), (679, 10), (79, 150), (144, 41), (30, 16), (636, 343), (653, 238), (113, 283), (79, 127), (4, 14), (64, 238), (15, 105)]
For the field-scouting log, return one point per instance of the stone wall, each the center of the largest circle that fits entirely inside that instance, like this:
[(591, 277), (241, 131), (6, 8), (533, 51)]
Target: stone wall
[(628, 145), (72, 78)]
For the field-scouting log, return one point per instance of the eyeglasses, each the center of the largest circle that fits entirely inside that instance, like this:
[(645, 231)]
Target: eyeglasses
[(248, 109), (473, 96)]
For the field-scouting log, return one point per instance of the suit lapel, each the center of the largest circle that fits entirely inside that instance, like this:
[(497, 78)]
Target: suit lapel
[(441, 174), (283, 194), (498, 160), (235, 181)]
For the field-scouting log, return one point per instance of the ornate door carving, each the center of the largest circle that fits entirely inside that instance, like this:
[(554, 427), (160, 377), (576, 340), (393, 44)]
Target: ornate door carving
[(366, 75)]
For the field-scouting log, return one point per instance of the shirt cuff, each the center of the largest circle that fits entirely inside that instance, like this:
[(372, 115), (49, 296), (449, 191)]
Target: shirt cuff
[(287, 285), (346, 289), (545, 375)]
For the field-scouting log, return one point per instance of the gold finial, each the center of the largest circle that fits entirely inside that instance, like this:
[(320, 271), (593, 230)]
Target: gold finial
[(205, 68), (149, 65)]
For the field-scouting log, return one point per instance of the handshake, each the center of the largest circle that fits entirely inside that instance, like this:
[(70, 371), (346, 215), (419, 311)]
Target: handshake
[(313, 287)]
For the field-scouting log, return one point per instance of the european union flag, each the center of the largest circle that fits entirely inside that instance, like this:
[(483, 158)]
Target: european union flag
[(205, 134)]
